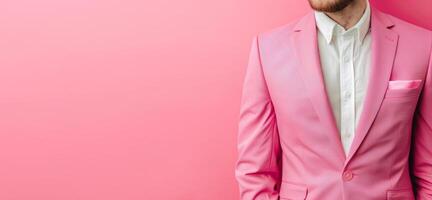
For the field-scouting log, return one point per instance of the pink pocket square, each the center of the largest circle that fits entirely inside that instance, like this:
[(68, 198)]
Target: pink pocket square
[(404, 84)]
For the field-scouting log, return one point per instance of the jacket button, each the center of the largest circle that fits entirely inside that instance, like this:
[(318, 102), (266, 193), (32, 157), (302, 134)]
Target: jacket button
[(347, 175)]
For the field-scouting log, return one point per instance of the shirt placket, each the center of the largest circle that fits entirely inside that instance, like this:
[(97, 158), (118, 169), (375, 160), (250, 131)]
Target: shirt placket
[(347, 82)]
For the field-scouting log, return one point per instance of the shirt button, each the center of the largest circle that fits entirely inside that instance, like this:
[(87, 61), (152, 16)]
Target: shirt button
[(346, 59), (347, 94), (347, 175)]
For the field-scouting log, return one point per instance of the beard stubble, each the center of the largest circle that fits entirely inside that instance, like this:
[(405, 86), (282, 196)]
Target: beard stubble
[(328, 5)]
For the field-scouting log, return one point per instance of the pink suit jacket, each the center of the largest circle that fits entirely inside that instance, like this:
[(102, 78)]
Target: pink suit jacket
[(288, 143)]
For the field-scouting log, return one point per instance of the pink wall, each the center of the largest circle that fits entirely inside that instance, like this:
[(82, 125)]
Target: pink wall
[(130, 99)]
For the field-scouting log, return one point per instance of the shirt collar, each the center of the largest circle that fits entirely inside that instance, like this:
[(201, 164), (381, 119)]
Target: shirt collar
[(326, 25)]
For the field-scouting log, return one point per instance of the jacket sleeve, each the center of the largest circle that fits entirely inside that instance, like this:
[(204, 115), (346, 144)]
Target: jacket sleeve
[(258, 164), (422, 141)]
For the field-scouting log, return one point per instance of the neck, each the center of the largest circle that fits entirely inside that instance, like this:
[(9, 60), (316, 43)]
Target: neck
[(350, 15)]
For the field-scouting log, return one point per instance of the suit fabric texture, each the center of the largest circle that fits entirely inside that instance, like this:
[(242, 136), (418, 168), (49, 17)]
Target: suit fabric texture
[(289, 147)]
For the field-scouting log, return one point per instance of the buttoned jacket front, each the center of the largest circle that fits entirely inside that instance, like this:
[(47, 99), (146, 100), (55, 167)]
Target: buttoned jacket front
[(288, 143)]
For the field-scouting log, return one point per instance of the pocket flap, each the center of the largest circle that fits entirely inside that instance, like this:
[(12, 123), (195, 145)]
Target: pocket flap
[(292, 191), (401, 194)]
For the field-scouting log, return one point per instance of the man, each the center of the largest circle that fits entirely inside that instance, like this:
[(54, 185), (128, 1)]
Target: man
[(337, 105)]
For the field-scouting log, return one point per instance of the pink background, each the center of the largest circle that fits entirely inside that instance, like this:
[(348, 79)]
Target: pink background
[(130, 99)]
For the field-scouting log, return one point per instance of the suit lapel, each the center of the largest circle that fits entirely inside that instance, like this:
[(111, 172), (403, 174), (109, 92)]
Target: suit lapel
[(384, 43), (305, 43)]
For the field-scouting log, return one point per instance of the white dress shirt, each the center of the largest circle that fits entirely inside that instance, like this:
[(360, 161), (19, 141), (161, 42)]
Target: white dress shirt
[(345, 60)]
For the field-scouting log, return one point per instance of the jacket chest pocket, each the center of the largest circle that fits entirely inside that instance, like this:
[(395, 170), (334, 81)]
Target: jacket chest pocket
[(403, 88), (401, 97)]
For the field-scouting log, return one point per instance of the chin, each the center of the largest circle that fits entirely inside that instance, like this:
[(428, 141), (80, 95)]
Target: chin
[(329, 5)]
